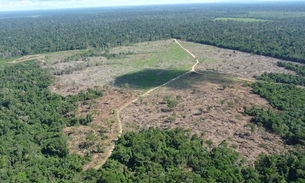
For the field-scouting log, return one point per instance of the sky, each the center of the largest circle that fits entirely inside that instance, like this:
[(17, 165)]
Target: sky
[(12, 5)]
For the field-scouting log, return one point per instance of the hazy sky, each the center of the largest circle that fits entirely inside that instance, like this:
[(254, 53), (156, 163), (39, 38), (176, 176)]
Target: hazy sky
[(8, 5)]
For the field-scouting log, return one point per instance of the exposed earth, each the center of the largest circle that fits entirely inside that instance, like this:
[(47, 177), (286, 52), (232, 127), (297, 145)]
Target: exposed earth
[(231, 62), (97, 138), (209, 105)]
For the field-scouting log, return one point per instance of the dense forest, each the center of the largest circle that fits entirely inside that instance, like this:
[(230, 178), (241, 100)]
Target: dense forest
[(278, 35), (33, 146)]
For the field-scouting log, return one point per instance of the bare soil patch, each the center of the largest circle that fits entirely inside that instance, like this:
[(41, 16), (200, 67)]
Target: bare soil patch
[(209, 106)]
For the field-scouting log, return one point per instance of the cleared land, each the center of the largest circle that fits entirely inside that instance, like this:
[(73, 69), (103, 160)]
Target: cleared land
[(210, 104), (233, 63), (145, 65), (140, 66), (97, 139)]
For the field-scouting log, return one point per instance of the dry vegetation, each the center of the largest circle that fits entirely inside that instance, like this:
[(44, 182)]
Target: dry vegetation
[(97, 138), (234, 63), (209, 104), (100, 71)]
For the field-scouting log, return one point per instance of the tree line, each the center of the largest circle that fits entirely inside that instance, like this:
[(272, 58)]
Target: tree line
[(156, 155), (105, 28)]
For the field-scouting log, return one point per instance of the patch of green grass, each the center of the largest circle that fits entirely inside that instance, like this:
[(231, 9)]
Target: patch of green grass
[(233, 79), (157, 68), (275, 14), (239, 19), (173, 58), (2, 62)]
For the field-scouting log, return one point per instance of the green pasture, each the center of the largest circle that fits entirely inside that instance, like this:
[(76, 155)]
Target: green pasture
[(156, 68), (273, 14), (174, 57), (239, 19)]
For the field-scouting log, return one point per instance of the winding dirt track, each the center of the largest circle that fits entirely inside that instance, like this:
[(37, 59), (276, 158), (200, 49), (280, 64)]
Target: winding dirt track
[(118, 112), (197, 62), (153, 89)]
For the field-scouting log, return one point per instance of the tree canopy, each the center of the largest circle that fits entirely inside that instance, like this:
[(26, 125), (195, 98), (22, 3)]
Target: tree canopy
[(33, 147), (278, 36)]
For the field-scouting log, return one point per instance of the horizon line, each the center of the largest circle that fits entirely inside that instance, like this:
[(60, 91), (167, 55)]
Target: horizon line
[(147, 5)]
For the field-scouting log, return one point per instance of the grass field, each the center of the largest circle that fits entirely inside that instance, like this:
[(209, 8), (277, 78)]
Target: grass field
[(275, 14), (261, 16), (173, 57), (153, 66), (239, 19), (158, 68)]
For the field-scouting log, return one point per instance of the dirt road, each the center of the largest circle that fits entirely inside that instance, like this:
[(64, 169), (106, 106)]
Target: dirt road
[(38, 57), (153, 89), (118, 112), (197, 62), (120, 109)]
